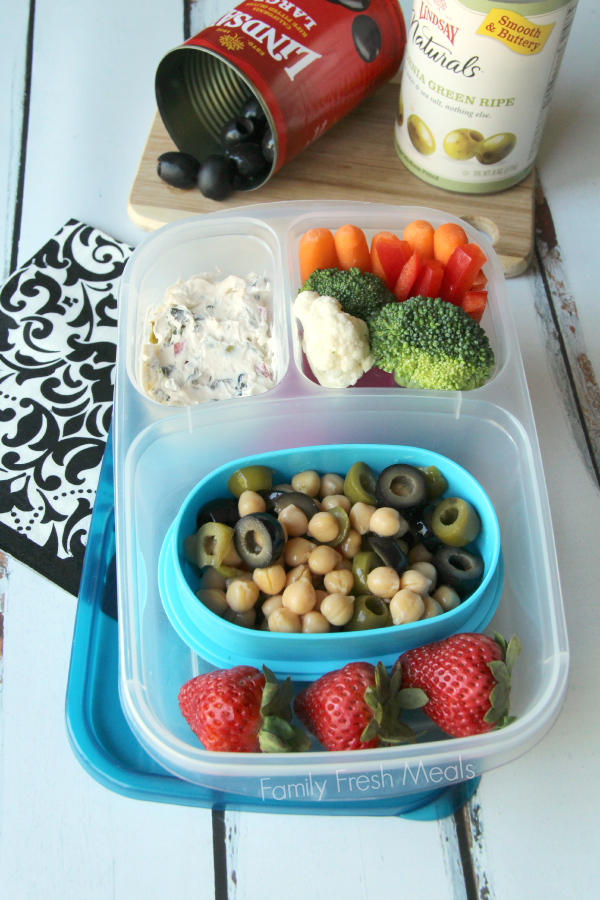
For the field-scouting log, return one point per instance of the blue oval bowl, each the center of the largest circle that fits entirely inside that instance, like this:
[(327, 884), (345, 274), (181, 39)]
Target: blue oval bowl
[(307, 656)]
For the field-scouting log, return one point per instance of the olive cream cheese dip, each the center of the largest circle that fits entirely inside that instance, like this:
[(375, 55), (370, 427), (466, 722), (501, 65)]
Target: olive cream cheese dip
[(210, 340)]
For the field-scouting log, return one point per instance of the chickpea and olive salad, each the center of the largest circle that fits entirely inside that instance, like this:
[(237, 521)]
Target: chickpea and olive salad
[(327, 552)]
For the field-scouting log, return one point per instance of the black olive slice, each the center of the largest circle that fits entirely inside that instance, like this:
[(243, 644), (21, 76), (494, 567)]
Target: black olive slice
[(248, 160), (221, 509), (421, 529), (401, 486), (268, 146), (270, 497), (252, 109), (259, 540), (295, 498), (388, 550), (459, 569)]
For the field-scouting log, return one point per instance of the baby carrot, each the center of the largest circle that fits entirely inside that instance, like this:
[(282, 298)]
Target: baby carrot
[(352, 248), (419, 235), (446, 239), (316, 251)]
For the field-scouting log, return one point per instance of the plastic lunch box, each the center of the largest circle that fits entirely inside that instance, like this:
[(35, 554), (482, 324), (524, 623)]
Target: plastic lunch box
[(161, 453)]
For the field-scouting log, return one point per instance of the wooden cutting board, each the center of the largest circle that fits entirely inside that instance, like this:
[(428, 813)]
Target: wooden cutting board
[(355, 160)]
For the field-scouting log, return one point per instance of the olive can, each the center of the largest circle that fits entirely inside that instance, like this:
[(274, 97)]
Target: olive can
[(476, 85), (308, 67)]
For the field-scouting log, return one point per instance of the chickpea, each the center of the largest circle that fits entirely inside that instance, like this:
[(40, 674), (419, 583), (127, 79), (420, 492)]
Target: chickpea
[(283, 619), (334, 500), (446, 597), (250, 502), (245, 619), (331, 484), (428, 570), (245, 576), (383, 582), (337, 608), (212, 579), (270, 580), (214, 599), (297, 551), (419, 553), (307, 483), (324, 527), (300, 597), (351, 545), (293, 520), (271, 605), (413, 580), (300, 573), (323, 560), (406, 606), (341, 581), (388, 522), (360, 517), (242, 595), (314, 622), (231, 558), (320, 597), (432, 607)]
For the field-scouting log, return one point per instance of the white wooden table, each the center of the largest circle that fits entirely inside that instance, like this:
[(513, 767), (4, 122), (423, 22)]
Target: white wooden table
[(76, 100)]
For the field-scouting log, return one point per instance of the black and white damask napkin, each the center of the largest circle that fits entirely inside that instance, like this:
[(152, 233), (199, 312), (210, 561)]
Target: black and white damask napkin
[(57, 356)]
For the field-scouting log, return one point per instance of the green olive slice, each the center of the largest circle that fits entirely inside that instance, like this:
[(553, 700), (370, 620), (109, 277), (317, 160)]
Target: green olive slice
[(343, 520), (250, 478), (455, 522), (369, 612), (360, 483), (362, 564), (436, 483), (229, 571)]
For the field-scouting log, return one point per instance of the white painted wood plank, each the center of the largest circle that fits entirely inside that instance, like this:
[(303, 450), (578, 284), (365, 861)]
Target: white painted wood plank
[(569, 165), (12, 83), (325, 857), (64, 837), (92, 104)]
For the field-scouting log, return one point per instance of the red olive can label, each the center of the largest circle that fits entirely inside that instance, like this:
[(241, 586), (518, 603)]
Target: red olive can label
[(309, 66)]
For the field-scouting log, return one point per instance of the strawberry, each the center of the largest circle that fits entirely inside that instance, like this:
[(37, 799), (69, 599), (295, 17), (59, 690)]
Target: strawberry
[(241, 710), (467, 680), (356, 707)]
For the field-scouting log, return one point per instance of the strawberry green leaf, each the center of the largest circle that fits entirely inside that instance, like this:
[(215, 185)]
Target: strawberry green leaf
[(501, 643), (500, 671), (371, 730), (493, 715), (512, 653), (499, 698), (412, 698)]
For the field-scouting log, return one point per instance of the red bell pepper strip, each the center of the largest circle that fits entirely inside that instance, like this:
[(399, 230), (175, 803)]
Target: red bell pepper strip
[(388, 257), (461, 271), (480, 282), (429, 280), (474, 303), (407, 278)]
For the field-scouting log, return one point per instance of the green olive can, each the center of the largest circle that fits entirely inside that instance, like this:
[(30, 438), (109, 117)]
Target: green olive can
[(477, 82)]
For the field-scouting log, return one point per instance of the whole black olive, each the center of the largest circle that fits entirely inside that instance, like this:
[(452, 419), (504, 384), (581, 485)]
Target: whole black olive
[(180, 170), (459, 569), (252, 109), (221, 509), (215, 178), (401, 486), (238, 131), (259, 540), (388, 550), (268, 146), (367, 37), (248, 160)]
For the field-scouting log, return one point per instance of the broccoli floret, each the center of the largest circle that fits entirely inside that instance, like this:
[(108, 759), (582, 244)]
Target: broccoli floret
[(431, 344), (360, 293)]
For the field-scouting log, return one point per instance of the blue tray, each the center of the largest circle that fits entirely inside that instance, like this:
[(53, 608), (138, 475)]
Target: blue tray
[(100, 736)]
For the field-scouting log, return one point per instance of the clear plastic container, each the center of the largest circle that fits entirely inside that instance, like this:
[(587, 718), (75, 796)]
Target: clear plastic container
[(162, 453)]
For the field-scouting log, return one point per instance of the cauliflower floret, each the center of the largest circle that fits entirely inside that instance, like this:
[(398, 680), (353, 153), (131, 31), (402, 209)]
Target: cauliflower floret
[(336, 344)]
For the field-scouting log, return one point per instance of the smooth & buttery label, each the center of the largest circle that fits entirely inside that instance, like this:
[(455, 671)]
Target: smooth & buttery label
[(477, 81)]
